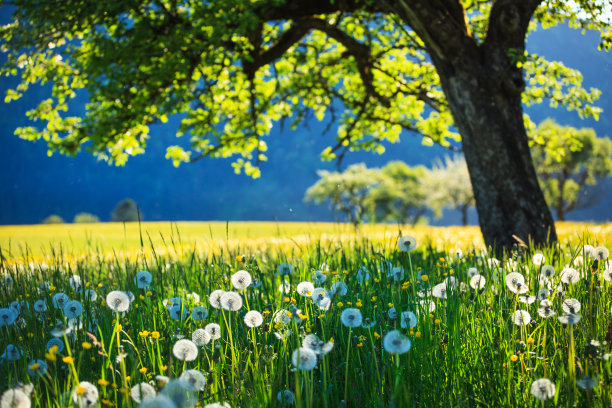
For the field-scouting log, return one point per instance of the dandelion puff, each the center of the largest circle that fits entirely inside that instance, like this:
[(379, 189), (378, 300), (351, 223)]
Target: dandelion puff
[(253, 319), (18, 306), (320, 297), (304, 359), (587, 382), (601, 253), (193, 298), (143, 279), (408, 320), (185, 350), (439, 291), (11, 353), (319, 277), (215, 298), (142, 391), (282, 316), (231, 301), (396, 343), (214, 330), (607, 274), (199, 313), (588, 250), (179, 312), (317, 345), (543, 294), (90, 295), (392, 313), (428, 305), (516, 283), (543, 389), (406, 243), (351, 317), (218, 405), (538, 259), (159, 401), (571, 306), (282, 334), (200, 337), (55, 342), (386, 267), (85, 395), (284, 287), (478, 282), (285, 269), (75, 283), (195, 378), (362, 275), (7, 317), (37, 368), (547, 271), (170, 303), (241, 280), (15, 398), (40, 306), (570, 319), (118, 301), (570, 276), (59, 300), (368, 323), (305, 289), (471, 272), (285, 397), (338, 289), (181, 393), (545, 310), (73, 309), (521, 318)]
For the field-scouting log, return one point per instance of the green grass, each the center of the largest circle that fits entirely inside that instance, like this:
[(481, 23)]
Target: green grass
[(466, 352)]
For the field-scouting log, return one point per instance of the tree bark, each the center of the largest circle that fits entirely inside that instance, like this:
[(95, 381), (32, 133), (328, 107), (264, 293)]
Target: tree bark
[(464, 215)]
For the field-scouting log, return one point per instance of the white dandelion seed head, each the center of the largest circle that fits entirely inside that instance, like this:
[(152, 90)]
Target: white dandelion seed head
[(545, 310), (304, 359), (37, 368), (11, 353), (511, 265), (458, 253), (170, 303), (185, 350), (516, 283), (451, 282), (428, 305), (55, 342), (181, 393), (478, 282), (305, 289), (285, 269), (256, 283), (90, 295), (118, 301), (570, 318), (14, 398), (319, 277), (214, 330), (40, 306), (73, 309), (521, 318), (312, 342), (19, 305), (284, 287), (193, 298), (587, 382), (543, 389), (547, 271), (200, 337), (338, 289), (392, 313), (607, 274), (215, 298), (601, 253), (396, 273), (538, 259), (231, 301), (578, 261), (543, 294), (253, 319), (282, 334), (571, 306), (143, 279), (285, 397), (570, 276), (408, 320), (158, 401), (529, 299), (59, 300), (75, 283), (493, 263), (282, 316), (588, 250), (142, 391), (406, 243), (395, 342), (351, 317), (89, 398), (178, 312), (368, 323), (199, 313), (241, 280), (195, 378), (362, 275), (471, 272), (386, 267), (320, 297), (7, 317), (439, 291), (218, 405)]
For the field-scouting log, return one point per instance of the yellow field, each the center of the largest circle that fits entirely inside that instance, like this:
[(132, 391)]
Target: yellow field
[(39, 242)]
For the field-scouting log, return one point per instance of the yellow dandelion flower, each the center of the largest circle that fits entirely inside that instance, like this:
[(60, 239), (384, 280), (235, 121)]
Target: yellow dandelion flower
[(530, 340), (513, 357), (339, 304), (155, 335), (424, 278), (124, 391), (390, 305), (68, 360), (34, 366), (86, 345), (437, 321), (149, 293), (50, 356), (373, 299), (163, 368), (358, 304), (143, 370), (360, 344), (102, 382), (452, 271), (80, 390), (431, 316), (377, 335), (418, 335)]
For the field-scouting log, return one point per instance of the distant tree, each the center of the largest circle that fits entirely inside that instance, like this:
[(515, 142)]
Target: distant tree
[(400, 195), (53, 219), (85, 218), (568, 161), (449, 186), (347, 191), (125, 211)]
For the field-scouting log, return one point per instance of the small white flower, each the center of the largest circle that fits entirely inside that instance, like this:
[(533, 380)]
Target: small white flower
[(185, 350), (305, 288), (231, 301), (351, 317), (118, 301), (406, 243), (215, 298), (253, 319), (543, 389), (408, 320), (396, 343), (241, 280), (304, 359), (200, 337)]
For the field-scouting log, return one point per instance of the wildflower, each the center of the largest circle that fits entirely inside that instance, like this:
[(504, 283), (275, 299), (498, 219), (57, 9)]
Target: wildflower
[(521, 318), (142, 391), (543, 389), (319, 277), (513, 357), (317, 345), (320, 297), (59, 300), (439, 291), (200, 337), (396, 343), (199, 313), (86, 345), (408, 320), (587, 382), (179, 312), (185, 350), (231, 301), (14, 398), (68, 360), (162, 379), (368, 323), (282, 334), (477, 282), (241, 280), (75, 282), (40, 306), (143, 279), (73, 309), (285, 397), (102, 382), (7, 317), (607, 274), (11, 353), (118, 301), (543, 294), (424, 278), (571, 306), (428, 305), (570, 319), (406, 243), (37, 368), (305, 288), (547, 271), (215, 298), (601, 253), (304, 359), (253, 319), (516, 283), (195, 379), (155, 335), (85, 395), (214, 330), (285, 269), (570, 275), (218, 405), (538, 259), (351, 317)]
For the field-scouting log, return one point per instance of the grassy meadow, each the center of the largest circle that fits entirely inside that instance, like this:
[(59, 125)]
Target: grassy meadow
[(300, 314)]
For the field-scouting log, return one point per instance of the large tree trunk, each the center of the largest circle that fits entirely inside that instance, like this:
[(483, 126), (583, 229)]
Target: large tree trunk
[(484, 94)]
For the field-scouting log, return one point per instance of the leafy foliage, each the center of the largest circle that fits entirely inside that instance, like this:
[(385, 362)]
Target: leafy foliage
[(568, 161), (53, 219), (85, 218), (126, 211)]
